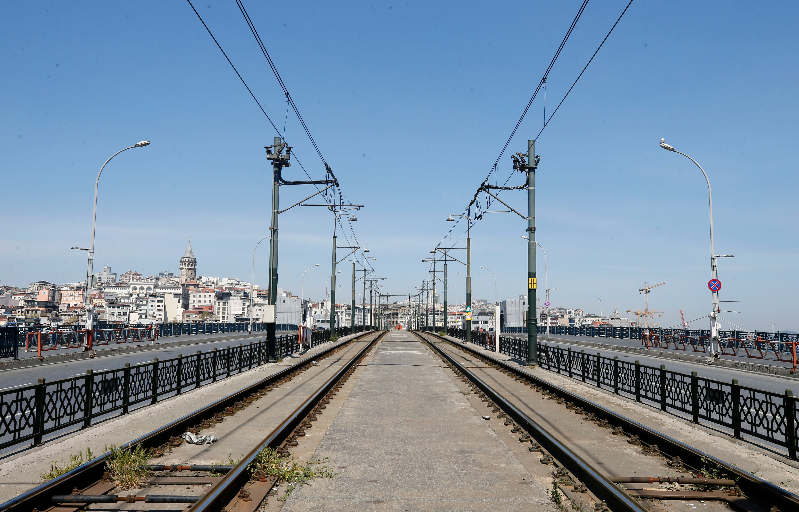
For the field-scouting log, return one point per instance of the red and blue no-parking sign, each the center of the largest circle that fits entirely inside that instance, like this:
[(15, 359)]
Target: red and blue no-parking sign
[(546, 304), (714, 285)]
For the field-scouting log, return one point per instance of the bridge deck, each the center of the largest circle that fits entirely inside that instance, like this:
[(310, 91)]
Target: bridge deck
[(407, 438)]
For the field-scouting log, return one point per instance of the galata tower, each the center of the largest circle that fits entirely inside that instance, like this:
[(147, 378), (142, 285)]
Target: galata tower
[(188, 266)]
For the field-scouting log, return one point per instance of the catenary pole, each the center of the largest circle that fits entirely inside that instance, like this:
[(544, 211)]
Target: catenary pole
[(532, 281)]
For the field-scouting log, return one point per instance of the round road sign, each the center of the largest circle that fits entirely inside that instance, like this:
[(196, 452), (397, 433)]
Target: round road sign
[(546, 304), (714, 285)]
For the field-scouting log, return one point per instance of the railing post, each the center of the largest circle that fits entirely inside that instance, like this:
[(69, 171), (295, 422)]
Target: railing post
[(736, 409), (582, 364), (126, 389), (789, 406), (695, 397), (569, 361), (598, 370), (179, 380), (662, 387), (227, 356), (249, 351), (38, 418), (241, 355), (637, 380), (154, 382), (616, 375), (88, 398), (198, 367), (214, 358)]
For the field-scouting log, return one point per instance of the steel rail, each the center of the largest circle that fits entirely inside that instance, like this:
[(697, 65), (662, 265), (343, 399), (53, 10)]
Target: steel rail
[(40, 497), (755, 488), (596, 482), (222, 493)]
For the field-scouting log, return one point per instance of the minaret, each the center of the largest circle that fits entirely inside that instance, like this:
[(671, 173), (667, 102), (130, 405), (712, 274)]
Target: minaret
[(188, 265)]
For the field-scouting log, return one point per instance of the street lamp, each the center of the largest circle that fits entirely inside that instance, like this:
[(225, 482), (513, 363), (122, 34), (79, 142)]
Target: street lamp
[(90, 268), (252, 282), (302, 293), (497, 327), (714, 283)]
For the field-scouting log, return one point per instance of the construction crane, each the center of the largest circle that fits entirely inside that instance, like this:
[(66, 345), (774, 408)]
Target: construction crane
[(646, 313), (684, 324)]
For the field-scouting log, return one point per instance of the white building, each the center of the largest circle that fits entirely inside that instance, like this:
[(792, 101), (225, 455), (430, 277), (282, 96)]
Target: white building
[(105, 277), (514, 312)]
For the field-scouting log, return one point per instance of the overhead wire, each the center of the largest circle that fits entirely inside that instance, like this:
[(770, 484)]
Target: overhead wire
[(289, 99), (294, 107), (478, 214), (524, 112), (546, 122)]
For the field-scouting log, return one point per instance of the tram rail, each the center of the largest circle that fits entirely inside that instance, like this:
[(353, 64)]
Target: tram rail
[(748, 492), (238, 489)]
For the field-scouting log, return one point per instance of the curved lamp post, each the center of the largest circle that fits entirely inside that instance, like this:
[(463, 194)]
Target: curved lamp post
[(497, 327), (714, 324), (302, 292), (90, 268), (252, 282)]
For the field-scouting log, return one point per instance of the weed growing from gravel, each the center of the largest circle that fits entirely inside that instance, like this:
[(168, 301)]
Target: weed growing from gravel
[(74, 462), (125, 465), (556, 497), (286, 469)]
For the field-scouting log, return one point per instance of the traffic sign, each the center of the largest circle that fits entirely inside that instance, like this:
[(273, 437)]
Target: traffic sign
[(714, 285), (546, 304)]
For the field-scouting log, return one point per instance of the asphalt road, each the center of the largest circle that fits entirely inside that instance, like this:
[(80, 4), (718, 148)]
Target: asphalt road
[(61, 370)]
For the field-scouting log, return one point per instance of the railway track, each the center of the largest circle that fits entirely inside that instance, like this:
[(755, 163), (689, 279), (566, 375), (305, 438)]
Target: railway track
[(600, 458), (304, 389)]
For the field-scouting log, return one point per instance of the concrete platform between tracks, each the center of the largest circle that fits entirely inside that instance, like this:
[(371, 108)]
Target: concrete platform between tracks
[(407, 438), (19, 472)]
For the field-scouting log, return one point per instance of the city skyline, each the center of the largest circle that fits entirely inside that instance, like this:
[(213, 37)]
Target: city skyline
[(411, 110)]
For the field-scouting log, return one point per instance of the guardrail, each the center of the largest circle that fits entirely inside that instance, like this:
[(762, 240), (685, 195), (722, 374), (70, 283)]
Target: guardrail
[(28, 413), (740, 410), (104, 333)]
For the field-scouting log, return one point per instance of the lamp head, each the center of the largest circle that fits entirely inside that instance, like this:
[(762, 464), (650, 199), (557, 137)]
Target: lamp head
[(353, 218), (450, 219), (666, 146), (316, 265), (525, 237), (365, 249), (142, 144)]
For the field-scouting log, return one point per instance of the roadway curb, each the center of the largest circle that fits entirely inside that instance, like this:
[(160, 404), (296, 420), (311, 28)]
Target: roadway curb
[(32, 362)]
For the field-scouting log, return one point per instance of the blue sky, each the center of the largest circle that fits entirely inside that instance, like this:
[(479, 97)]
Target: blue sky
[(410, 103)]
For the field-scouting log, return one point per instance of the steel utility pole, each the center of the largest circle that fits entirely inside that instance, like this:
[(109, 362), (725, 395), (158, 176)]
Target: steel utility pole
[(279, 160), (274, 153), (532, 280), (342, 210), (352, 312), (446, 310)]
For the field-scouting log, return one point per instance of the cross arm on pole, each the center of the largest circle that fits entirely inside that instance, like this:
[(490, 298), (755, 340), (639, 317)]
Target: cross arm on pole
[(300, 202), (507, 205)]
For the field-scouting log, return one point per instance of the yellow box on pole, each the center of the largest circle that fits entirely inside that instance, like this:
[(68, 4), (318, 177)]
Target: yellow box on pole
[(532, 283)]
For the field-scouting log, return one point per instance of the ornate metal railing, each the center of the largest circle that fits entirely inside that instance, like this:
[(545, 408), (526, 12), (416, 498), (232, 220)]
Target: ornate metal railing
[(740, 410), (30, 413), (753, 343)]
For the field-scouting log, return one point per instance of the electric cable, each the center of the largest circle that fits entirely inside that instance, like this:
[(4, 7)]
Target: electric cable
[(475, 200), (546, 122)]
